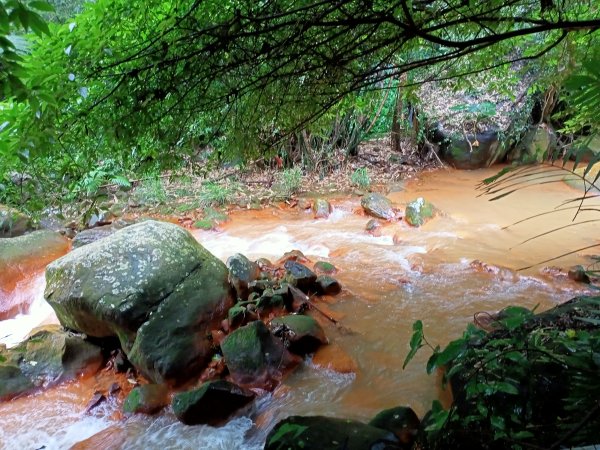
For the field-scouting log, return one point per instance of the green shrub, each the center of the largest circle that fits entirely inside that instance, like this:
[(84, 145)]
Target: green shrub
[(151, 192), (215, 194), (360, 178), (290, 181)]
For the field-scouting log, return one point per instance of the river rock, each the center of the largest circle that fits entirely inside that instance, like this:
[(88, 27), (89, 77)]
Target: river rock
[(86, 237), (327, 285), (579, 274), (373, 227), (418, 211), (299, 275), (302, 333), (21, 257), (473, 151), (12, 222), (324, 267), (49, 356), (212, 403), (242, 271), (254, 357), (328, 433), (146, 399), (402, 421), (534, 146), (377, 205), (322, 208), (154, 287)]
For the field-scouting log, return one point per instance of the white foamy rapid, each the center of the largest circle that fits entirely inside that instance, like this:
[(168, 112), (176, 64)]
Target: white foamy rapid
[(13, 331)]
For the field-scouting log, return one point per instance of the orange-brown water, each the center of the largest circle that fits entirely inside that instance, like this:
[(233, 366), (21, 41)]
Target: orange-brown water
[(425, 275)]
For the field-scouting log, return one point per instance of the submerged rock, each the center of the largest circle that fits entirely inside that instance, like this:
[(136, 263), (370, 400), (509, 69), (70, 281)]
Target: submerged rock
[(373, 227), (418, 211), (49, 356), (211, 403), (377, 205), (146, 399), (154, 287), (254, 357), (12, 222), (302, 333), (328, 433)]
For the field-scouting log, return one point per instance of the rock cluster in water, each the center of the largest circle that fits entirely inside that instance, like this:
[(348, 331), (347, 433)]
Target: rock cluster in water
[(181, 318)]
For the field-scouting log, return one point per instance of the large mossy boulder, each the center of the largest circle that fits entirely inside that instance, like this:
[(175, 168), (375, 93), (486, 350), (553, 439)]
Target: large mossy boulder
[(254, 357), (327, 433), (377, 205), (534, 146), (418, 212), (49, 356), (154, 287), (302, 333), (470, 151), (12, 222), (212, 403)]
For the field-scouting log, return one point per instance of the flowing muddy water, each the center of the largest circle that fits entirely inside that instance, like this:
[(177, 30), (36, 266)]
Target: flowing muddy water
[(389, 282)]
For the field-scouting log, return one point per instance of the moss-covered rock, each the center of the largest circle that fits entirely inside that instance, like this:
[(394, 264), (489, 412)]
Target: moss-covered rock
[(254, 357), (211, 403), (146, 399), (49, 356), (12, 222), (377, 205), (322, 208), (328, 433), (534, 146), (154, 287), (302, 333), (327, 285), (418, 211), (402, 421), (324, 267)]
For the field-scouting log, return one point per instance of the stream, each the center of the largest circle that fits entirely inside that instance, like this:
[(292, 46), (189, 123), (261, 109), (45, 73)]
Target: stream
[(389, 282)]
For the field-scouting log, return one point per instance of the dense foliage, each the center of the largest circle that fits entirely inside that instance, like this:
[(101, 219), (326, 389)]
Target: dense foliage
[(130, 86)]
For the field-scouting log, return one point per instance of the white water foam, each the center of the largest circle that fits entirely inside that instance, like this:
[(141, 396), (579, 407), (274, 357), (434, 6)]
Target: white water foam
[(13, 331)]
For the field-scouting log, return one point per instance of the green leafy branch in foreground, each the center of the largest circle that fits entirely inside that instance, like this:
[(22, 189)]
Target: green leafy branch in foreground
[(532, 382)]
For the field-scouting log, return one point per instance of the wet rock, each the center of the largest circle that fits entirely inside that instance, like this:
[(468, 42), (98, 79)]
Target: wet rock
[(322, 208), (21, 256), (324, 267), (333, 357), (401, 421), (418, 212), (236, 316), (264, 264), (303, 334), (534, 146), (49, 356), (293, 255), (154, 287), (242, 271), (86, 237), (578, 273), (146, 399), (212, 403), (373, 227), (473, 151), (101, 218), (95, 401), (254, 357), (304, 203), (328, 433), (377, 205), (113, 437), (13, 223), (299, 275), (327, 285)]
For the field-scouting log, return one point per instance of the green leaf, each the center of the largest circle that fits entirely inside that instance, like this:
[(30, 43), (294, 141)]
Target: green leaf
[(42, 6), (416, 342), (38, 25)]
